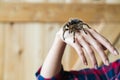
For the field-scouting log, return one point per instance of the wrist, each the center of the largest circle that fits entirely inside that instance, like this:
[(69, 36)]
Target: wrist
[(59, 38)]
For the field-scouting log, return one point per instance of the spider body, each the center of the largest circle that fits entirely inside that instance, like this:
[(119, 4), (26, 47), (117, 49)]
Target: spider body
[(73, 26)]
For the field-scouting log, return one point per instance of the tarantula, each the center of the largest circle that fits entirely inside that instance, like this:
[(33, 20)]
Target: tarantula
[(74, 25)]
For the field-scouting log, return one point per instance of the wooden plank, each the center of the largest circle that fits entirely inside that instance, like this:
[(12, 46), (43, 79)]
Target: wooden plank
[(112, 13), (58, 12), (32, 50), (37, 42), (1, 50), (14, 60)]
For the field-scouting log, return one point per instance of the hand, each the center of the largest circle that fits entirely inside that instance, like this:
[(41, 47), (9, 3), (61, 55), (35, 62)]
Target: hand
[(85, 42)]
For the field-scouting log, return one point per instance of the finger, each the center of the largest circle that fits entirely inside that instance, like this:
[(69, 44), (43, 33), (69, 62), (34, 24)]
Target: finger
[(88, 49), (97, 47), (103, 41), (101, 45), (80, 52)]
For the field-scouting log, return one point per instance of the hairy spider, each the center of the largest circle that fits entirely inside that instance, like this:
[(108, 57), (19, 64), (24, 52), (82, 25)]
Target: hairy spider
[(74, 25)]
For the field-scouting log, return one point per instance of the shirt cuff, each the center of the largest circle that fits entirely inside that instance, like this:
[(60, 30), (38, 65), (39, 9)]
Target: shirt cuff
[(58, 76)]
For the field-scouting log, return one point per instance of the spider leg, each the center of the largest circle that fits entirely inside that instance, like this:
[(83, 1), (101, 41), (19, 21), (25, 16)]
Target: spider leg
[(64, 30), (87, 25), (64, 33), (84, 31), (73, 37)]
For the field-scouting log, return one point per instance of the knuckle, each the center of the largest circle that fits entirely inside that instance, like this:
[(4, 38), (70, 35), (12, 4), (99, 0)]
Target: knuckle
[(98, 46), (94, 62), (82, 56), (95, 43), (81, 53), (93, 59), (105, 58), (90, 52)]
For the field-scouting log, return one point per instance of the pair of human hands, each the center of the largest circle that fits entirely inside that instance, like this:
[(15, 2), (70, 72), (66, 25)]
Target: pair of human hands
[(88, 41)]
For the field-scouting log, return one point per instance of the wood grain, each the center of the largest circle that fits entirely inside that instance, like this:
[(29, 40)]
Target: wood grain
[(13, 60), (1, 50), (58, 12)]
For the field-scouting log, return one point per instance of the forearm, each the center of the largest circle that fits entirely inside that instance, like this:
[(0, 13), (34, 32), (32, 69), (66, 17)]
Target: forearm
[(52, 63)]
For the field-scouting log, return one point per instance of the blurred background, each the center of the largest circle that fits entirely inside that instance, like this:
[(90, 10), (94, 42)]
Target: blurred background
[(28, 27)]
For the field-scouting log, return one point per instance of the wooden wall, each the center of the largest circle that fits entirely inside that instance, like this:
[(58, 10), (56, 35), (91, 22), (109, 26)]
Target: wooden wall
[(25, 40)]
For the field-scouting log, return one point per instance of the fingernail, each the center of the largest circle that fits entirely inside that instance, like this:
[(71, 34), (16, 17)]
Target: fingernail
[(116, 52), (107, 62), (96, 66)]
